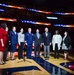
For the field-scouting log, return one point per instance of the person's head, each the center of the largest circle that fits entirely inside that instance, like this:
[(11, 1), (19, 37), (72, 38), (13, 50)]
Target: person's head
[(3, 25), (65, 33), (46, 29), (6, 29), (29, 30), (14, 28), (56, 32), (21, 30), (37, 30)]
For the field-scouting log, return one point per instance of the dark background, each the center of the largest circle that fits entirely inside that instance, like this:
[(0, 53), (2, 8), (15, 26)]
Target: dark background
[(46, 5)]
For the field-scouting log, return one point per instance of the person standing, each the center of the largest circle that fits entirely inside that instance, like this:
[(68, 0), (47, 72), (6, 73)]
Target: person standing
[(21, 42), (29, 41), (3, 39), (56, 43), (6, 50), (37, 43), (65, 44), (14, 41), (46, 43)]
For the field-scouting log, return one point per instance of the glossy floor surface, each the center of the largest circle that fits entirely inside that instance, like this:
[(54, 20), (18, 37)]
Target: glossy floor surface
[(38, 66)]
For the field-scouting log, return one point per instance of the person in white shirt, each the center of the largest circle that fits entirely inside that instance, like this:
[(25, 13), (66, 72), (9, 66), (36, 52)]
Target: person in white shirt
[(21, 41), (56, 43)]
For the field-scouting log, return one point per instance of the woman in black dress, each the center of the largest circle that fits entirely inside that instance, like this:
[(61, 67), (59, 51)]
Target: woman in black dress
[(66, 44)]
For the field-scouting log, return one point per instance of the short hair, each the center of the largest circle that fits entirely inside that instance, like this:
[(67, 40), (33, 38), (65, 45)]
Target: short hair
[(37, 29), (21, 28), (29, 28), (57, 32), (46, 27), (3, 25)]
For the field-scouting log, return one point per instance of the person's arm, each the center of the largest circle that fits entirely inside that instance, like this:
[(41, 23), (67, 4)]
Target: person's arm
[(43, 39), (9, 39), (50, 39), (1, 38), (19, 38), (26, 39), (60, 39), (33, 39), (2, 43), (69, 40)]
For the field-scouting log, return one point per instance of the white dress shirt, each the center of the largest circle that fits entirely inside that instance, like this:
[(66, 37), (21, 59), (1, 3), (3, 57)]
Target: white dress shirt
[(21, 38)]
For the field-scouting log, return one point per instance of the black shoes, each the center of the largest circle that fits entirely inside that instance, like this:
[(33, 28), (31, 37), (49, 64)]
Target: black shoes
[(46, 58), (56, 57)]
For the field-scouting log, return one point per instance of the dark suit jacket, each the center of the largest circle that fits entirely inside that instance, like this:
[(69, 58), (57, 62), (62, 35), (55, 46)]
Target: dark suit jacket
[(37, 40), (47, 40), (13, 37), (29, 38), (67, 41)]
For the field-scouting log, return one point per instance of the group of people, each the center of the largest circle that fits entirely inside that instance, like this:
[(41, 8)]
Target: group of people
[(31, 40)]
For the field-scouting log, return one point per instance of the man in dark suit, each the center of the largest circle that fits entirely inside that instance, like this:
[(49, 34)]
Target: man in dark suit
[(37, 43), (46, 43)]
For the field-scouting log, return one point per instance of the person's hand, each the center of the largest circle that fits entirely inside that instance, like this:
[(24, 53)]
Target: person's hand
[(42, 43), (25, 43), (2, 45), (19, 43), (50, 43), (33, 44), (17, 46)]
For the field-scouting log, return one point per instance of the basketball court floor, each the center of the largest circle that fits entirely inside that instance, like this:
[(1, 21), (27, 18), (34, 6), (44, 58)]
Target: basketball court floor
[(39, 66)]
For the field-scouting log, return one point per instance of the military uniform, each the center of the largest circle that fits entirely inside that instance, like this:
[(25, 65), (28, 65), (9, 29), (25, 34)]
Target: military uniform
[(29, 39)]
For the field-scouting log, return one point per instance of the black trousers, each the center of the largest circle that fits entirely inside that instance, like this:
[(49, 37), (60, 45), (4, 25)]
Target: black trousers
[(37, 50), (5, 54), (56, 52), (20, 51)]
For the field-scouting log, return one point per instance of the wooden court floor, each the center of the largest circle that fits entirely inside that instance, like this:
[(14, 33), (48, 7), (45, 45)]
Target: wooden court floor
[(37, 69)]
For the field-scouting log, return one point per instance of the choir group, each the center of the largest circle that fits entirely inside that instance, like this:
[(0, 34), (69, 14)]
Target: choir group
[(29, 40)]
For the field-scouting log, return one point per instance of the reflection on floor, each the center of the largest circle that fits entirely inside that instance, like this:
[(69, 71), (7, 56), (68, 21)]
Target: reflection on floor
[(52, 69), (69, 65), (38, 66), (9, 71)]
